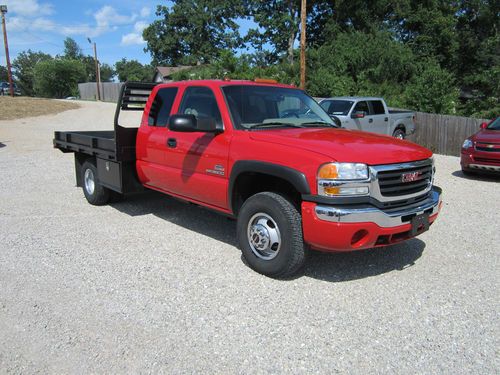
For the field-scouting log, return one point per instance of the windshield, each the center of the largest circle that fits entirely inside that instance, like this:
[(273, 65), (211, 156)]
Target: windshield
[(494, 125), (253, 106), (340, 107)]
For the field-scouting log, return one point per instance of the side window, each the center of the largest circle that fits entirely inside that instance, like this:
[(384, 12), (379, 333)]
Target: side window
[(325, 104), (160, 109), (362, 107), (200, 101), (377, 107)]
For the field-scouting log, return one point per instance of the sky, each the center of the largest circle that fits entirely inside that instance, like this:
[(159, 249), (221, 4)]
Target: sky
[(115, 25)]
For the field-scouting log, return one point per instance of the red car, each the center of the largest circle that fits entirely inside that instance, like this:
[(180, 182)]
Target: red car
[(481, 151)]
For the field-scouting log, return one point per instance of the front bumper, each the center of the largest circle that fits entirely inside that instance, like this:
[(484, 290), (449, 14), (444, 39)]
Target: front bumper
[(480, 161), (332, 228)]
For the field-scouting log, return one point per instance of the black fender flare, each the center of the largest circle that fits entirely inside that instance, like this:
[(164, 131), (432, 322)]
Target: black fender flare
[(296, 178)]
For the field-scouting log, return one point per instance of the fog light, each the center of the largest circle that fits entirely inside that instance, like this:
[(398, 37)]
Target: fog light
[(359, 238)]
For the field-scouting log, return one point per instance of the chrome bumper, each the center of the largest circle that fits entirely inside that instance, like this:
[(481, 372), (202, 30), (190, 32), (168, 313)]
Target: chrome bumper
[(370, 214)]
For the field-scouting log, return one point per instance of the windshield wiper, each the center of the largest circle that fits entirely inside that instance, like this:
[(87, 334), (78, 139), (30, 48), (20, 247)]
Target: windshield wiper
[(320, 123), (274, 124)]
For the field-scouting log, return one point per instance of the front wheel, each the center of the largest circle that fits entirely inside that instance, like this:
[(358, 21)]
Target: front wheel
[(399, 134), (95, 193), (270, 235)]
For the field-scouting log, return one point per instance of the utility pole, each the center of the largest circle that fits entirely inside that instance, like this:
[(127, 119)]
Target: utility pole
[(97, 71), (3, 10), (303, 17)]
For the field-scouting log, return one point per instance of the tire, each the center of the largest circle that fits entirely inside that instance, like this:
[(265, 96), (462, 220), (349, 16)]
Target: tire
[(95, 193), (399, 133), (269, 233)]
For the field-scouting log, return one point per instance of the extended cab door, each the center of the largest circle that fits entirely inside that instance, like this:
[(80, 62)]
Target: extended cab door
[(197, 162), (152, 139)]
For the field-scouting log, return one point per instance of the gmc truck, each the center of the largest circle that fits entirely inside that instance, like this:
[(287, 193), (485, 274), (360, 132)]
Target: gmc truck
[(267, 155), (369, 114)]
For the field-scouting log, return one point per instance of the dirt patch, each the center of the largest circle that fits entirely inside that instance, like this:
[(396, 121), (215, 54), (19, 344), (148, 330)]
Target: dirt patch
[(19, 107)]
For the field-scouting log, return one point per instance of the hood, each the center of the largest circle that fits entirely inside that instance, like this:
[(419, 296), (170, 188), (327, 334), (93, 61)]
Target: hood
[(487, 136), (344, 145)]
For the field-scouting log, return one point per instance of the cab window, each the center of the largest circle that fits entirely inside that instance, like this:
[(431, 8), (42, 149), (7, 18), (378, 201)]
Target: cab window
[(362, 107), (377, 107), (200, 102), (160, 109)]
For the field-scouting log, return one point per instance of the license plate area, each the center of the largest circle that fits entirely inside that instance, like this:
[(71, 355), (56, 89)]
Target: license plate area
[(419, 224)]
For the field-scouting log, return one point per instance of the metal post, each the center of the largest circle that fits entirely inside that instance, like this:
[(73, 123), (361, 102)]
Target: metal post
[(97, 78), (3, 10), (303, 45)]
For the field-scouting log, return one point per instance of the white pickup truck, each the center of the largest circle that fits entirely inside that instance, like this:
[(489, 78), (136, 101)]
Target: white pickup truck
[(369, 114)]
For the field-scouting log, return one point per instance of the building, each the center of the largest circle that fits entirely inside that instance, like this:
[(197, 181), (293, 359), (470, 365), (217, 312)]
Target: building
[(164, 73)]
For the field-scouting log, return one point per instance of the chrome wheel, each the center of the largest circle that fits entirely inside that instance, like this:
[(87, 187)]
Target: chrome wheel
[(89, 181), (264, 236)]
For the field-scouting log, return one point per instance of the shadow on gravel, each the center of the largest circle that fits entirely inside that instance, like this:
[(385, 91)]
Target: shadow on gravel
[(189, 216), (477, 176), (334, 267), (339, 267)]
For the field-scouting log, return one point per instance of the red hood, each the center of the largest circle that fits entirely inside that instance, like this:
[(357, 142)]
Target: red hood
[(346, 145), (487, 136)]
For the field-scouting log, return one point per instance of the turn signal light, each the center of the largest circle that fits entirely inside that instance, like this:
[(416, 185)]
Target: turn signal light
[(328, 171)]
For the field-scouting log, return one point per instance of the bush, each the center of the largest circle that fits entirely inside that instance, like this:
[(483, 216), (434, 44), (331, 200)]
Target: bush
[(58, 78)]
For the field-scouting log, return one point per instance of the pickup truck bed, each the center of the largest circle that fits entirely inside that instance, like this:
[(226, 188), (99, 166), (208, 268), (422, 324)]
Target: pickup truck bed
[(117, 145), (114, 149)]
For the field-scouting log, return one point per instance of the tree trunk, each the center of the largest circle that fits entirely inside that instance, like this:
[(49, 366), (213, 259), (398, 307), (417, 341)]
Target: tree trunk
[(293, 30)]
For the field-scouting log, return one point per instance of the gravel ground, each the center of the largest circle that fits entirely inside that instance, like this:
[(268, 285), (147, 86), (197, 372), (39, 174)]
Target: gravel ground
[(155, 285)]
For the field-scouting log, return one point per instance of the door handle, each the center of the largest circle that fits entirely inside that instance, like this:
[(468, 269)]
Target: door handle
[(370, 120), (386, 119), (172, 142)]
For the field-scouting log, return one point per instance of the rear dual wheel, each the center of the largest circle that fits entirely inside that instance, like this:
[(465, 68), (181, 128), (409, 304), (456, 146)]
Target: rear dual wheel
[(270, 235)]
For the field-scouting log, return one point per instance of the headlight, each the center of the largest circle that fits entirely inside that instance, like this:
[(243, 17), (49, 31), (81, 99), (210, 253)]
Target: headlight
[(340, 179), (467, 144), (343, 171)]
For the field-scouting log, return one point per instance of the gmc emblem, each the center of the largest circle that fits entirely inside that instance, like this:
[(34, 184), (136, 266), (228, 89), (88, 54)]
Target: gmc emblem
[(410, 177)]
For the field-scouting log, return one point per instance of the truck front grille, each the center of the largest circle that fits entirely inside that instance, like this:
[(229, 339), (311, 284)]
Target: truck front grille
[(405, 179)]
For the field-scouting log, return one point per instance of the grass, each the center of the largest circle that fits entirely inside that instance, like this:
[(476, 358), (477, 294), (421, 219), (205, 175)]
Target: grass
[(22, 106)]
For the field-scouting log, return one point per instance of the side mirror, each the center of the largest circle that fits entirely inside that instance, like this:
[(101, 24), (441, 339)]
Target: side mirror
[(484, 125), (358, 114), (191, 124)]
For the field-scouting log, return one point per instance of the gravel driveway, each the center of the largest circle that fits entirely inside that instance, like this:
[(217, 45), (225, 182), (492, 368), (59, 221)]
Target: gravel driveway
[(155, 285)]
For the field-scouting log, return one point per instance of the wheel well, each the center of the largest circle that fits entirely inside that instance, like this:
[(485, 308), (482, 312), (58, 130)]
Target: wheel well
[(401, 127), (250, 183)]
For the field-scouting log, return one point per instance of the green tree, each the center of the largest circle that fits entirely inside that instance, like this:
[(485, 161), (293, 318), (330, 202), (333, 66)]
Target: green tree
[(429, 28), (478, 68), (133, 70), (58, 78), (279, 25), (107, 73), (193, 31), (4, 76), (432, 89), (24, 66), (72, 50)]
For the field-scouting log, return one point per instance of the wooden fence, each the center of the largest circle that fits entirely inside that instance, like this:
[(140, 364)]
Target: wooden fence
[(443, 134), (110, 91)]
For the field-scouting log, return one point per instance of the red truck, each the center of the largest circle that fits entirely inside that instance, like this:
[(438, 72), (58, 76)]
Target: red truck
[(268, 155)]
